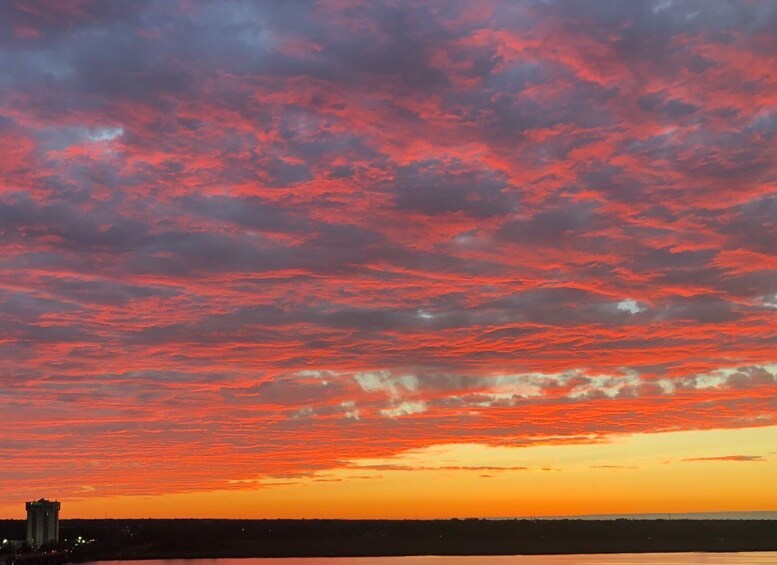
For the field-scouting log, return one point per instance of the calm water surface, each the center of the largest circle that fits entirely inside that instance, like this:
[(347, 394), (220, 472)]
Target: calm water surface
[(620, 559)]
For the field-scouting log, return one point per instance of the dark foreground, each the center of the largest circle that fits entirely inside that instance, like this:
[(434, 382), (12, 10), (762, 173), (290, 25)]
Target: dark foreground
[(163, 539)]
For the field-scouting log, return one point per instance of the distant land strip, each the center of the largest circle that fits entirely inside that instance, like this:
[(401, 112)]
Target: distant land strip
[(130, 539)]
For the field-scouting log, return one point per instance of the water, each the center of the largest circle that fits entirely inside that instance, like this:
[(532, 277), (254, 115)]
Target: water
[(761, 558)]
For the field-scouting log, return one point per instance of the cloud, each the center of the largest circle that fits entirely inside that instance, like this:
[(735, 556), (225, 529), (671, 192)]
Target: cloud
[(401, 467), (269, 237), (406, 408), (740, 458), (438, 188), (385, 382), (614, 467)]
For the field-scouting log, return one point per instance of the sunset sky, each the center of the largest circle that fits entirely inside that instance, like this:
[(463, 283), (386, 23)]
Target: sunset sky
[(350, 258)]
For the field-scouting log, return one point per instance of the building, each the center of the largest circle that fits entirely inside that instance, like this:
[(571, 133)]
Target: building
[(42, 522)]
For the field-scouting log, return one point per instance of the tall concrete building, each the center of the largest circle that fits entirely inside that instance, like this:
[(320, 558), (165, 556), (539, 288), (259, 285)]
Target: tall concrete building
[(42, 522)]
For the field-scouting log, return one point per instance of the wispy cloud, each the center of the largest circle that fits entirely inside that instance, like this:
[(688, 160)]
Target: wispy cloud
[(741, 458), (281, 235)]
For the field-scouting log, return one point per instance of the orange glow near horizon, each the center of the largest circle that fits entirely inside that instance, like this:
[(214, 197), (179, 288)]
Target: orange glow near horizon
[(671, 473)]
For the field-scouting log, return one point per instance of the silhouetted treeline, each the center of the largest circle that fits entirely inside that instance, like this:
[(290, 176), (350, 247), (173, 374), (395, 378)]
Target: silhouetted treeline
[(147, 539)]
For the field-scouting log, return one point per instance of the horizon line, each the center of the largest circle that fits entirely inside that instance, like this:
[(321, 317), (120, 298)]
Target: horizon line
[(711, 515)]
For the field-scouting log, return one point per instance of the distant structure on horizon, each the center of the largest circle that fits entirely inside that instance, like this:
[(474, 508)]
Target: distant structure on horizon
[(42, 522)]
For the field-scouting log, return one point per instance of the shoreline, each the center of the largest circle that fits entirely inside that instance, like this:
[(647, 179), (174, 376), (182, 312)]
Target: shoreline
[(150, 539), (360, 556)]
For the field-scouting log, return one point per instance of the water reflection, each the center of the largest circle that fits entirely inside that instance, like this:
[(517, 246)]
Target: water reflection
[(761, 558)]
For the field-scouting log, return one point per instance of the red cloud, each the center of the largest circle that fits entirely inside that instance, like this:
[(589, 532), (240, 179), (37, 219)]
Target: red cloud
[(514, 223), (742, 458)]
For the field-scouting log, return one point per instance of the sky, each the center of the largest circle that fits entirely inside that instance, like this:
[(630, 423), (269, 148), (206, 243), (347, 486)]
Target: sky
[(350, 258)]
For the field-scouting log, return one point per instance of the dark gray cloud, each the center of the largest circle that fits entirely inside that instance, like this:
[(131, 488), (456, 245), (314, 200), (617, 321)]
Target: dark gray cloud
[(527, 222), (434, 188)]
